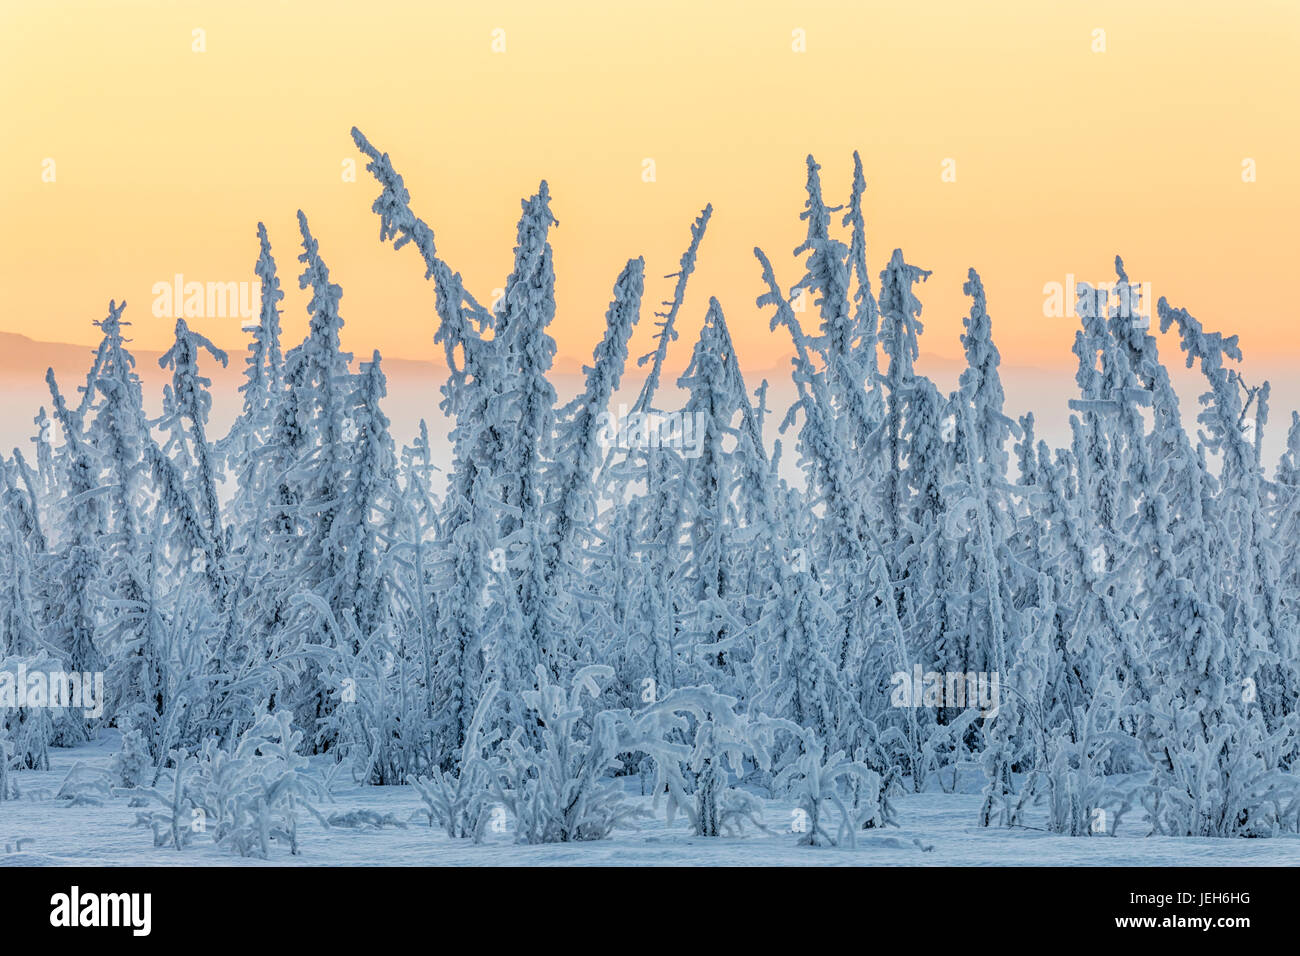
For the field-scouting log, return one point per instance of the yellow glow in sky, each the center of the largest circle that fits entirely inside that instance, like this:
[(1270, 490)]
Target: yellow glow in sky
[(164, 158)]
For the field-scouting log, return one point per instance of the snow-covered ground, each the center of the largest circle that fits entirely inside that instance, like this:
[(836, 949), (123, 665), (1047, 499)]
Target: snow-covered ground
[(935, 829)]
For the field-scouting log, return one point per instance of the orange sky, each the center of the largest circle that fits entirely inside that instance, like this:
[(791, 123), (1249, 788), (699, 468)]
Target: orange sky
[(166, 158)]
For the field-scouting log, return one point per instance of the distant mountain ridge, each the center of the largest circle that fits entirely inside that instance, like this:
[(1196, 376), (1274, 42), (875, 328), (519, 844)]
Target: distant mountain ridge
[(414, 387)]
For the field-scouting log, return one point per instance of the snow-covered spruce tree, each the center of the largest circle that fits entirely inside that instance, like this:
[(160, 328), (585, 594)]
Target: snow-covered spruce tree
[(24, 547), (761, 539), (186, 419), (579, 432), (527, 308), (129, 626), (710, 507), (794, 677), (259, 455), (985, 430), (847, 345), (371, 499), (938, 569), (986, 470), (847, 333), (263, 382), (982, 383), (900, 327), (25, 733), (382, 718), (467, 527), (319, 382), (192, 403), (840, 549), (652, 646), (70, 611), (866, 312)]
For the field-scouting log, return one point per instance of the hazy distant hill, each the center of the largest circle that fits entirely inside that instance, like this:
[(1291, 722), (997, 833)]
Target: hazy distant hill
[(413, 390)]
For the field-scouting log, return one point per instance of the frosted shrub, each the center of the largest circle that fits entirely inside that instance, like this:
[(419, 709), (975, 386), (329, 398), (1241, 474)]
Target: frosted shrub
[(246, 799), (85, 785), (1080, 799), (461, 802), (32, 730), (821, 783), (377, 722), (700, 746), (1072, 779), (132, 766), (177, 823), (1227, 782), (943, 747), (251, 797), (560, 788)]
